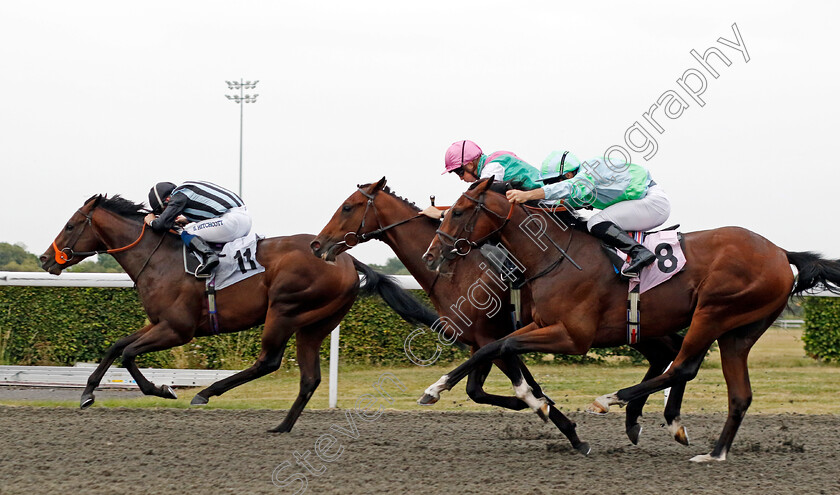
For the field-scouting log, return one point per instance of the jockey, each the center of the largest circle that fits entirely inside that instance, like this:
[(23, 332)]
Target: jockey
[(627, 196), (206, 211), (470, 164)]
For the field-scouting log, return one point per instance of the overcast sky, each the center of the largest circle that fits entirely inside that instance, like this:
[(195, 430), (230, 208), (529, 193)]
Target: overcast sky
[(111, 97)]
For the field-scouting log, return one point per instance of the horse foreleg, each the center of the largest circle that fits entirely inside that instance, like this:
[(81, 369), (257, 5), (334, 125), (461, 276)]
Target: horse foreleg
[(546, 408), (553, 338), (475, 389), (111, 354), (309, 363), (660, 353), (158, 338)]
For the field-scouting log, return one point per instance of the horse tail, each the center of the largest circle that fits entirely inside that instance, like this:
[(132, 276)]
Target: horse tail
[(400, 300), (815, 271)]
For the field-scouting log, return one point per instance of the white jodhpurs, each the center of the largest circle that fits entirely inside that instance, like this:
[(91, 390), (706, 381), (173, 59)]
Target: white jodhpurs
[(232, 225), (636, 214)]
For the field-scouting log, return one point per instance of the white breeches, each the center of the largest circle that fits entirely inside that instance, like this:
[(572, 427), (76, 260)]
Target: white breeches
[(636, 214), (232, 225)]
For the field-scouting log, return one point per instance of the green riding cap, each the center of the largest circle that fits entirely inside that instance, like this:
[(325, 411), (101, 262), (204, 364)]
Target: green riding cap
[(558, 163)]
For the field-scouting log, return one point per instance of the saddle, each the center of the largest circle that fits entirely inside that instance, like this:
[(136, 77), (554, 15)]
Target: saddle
[(618, 261)]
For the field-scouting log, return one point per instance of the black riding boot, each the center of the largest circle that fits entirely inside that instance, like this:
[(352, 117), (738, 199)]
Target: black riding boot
[(640, 256), (209, 258)]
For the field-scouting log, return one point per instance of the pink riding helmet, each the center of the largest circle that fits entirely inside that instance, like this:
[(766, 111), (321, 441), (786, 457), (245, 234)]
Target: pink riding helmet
[(459, 153)]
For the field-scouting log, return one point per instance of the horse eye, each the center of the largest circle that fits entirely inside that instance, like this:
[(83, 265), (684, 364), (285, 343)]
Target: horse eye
[(457, 213), (346, 208), (68, 227)]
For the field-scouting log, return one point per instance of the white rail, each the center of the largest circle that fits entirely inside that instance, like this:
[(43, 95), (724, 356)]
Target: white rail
[(65, 376)]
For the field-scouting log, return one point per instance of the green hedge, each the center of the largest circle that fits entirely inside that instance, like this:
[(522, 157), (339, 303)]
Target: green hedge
[(60, 326), (822, 328)]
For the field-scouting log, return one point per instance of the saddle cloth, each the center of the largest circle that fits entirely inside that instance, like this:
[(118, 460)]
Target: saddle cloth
[(670, 259), (237, 261)]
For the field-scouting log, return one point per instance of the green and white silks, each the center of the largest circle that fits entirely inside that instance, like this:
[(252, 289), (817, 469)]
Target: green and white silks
[(504, 165), (601, 185)]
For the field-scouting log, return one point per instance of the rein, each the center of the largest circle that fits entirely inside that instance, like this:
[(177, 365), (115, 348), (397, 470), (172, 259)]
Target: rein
[(457, 243), (66, 254), (352, 239)]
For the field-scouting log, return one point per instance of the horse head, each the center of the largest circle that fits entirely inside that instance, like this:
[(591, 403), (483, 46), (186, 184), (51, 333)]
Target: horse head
[(350, 224), (92, 229), (76, 241), (478, 216)]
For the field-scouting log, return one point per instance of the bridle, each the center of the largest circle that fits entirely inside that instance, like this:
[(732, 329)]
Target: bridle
[(353, 238), (66, 254), (461, 246)]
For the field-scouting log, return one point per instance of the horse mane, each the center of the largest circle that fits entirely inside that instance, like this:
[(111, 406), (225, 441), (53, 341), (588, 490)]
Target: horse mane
[(387, 190), (500, 187), (119, 205)]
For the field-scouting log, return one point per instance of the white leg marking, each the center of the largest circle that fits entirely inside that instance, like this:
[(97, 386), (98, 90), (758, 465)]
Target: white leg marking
[(523, 393), (602, 404), (674, 427), (708, 457), (436, 388)]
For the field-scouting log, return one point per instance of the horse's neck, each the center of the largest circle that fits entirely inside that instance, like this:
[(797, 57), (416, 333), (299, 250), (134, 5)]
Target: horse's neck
[(537, 253), (119, 232), (409, 241)]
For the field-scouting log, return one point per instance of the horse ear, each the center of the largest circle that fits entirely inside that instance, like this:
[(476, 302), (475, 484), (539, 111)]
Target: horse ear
[(379, 185)]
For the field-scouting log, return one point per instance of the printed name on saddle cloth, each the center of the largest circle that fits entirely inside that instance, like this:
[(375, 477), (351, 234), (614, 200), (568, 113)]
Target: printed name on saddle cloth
[(670, 259), (239, 261)]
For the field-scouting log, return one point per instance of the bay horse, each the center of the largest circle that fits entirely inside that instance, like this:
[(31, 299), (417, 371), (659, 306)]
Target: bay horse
[(734, 285), (297, 294), (373, 211)]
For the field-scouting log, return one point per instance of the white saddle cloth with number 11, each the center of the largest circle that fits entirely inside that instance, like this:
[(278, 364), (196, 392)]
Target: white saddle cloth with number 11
[(239, 261)]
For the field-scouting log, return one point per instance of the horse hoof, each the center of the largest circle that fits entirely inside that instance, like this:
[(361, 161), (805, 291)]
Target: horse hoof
[(281, 428), (86, 402), (427, 400), (583, 448), (681, 436), (633, 433), (597, 408), (198, 400), (543, 411), (167, 393)]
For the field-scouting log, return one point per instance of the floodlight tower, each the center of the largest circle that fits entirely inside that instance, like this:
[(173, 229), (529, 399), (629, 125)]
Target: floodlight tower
[(241, 99)]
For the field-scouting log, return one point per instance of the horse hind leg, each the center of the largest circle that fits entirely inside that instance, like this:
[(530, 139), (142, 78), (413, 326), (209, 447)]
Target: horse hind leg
[(276, 334), (659, 353), (735, 347)]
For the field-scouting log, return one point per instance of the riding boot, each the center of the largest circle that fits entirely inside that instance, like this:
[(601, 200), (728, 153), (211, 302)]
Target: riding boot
[(640, 256), (209, 258)]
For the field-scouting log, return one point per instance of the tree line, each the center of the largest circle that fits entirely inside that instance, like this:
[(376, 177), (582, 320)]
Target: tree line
[(15, 258)]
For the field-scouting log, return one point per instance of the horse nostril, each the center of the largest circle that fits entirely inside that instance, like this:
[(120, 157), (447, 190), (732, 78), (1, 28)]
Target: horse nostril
[(315, 245), (429, 257), (43, 258)]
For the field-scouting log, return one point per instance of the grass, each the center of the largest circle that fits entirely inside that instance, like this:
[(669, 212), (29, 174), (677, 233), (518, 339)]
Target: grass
[(784, 380)]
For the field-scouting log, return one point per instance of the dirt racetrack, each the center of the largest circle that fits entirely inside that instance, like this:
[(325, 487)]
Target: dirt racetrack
[(102, 450)]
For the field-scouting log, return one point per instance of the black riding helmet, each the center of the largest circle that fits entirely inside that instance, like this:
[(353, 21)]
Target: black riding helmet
[(158, 195)]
